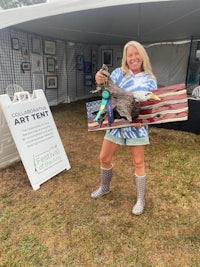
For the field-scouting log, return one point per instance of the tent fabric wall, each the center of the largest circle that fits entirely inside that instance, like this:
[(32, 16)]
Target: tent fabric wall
[(169, 62)]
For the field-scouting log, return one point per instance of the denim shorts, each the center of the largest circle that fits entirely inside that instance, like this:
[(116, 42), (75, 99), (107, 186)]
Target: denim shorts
[(129, 141)]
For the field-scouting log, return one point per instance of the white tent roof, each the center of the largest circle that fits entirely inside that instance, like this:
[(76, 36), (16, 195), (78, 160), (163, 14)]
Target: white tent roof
[(109, 21)]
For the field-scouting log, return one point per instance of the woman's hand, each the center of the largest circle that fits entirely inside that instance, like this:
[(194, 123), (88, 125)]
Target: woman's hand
[(100, 78), (138, 125)]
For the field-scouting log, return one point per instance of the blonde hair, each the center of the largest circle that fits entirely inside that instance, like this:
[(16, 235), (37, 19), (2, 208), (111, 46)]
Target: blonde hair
[(146, 65)]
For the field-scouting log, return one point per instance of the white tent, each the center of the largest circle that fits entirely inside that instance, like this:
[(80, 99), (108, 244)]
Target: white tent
[(109, 22), (165, 27)]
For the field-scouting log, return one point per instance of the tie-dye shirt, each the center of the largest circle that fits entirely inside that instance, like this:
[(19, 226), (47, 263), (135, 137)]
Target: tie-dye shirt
[(139, 82)]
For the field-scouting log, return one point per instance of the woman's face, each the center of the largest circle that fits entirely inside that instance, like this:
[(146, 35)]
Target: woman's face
[(134, 60)]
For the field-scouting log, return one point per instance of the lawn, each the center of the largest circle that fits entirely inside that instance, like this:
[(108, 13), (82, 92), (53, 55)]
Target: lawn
[(60, 225)]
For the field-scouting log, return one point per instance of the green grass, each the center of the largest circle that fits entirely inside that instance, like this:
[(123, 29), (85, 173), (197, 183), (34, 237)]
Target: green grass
[(60, 225)]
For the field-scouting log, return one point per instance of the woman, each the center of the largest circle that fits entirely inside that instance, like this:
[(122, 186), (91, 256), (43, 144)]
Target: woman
[(134, 75)]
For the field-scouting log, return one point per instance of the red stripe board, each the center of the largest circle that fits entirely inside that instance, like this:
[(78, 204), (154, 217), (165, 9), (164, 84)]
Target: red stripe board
[(162, 108), (172, 106)]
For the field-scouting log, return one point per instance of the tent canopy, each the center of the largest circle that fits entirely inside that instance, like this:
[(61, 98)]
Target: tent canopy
[(110, 22)]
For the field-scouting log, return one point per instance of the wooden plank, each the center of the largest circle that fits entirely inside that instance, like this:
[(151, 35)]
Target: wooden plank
[(172, 106)]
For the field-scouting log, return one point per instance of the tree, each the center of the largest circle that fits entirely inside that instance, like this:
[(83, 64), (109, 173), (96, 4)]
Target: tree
[(6, 4)]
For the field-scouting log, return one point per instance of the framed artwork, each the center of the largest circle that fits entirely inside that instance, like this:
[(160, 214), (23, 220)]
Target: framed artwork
[(37, 63), (38, 81), (119, 58), (107, 57), (36, 45), (94, 61), (51, 82), (25, 52), (88, 79), (87, 67), (15, 43), (80, 62), (50, 64), (26, 66), (49, 47)]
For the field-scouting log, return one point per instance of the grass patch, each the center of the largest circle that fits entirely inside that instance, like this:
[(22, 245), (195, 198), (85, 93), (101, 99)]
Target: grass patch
[(60, 225)]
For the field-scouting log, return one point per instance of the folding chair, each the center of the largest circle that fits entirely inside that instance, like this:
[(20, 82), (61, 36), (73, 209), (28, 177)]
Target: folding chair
[(13, 88)]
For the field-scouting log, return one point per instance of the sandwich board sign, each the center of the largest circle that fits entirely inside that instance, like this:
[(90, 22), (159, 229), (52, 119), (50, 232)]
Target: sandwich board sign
[(35, 135)]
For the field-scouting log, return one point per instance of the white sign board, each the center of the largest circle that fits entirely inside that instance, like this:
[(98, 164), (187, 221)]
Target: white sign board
[(35, 134)]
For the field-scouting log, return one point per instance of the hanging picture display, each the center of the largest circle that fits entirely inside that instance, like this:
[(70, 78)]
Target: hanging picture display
[(94, 61), (35, 135), (80, 62), (107, 57), (38, 81), (26, 66), (51, 82), (36, 45), (37, 63), (49, 47), (50, 64), (87, 67), (15, 43)]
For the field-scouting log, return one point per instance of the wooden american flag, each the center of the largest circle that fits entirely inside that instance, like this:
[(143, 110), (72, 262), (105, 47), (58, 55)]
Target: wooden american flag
[(172, 106)]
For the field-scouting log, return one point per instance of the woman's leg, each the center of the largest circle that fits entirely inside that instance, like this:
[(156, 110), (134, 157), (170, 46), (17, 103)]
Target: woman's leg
[(140, 178), (138, 159), (107, 151)]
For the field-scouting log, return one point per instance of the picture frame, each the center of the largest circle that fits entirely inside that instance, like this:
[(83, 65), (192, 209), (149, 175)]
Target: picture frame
[(49, 47), (36, 45), (88, 79), (38, 81), (107, 57), (51, 82), (119, 58), (88, 67), (37, 63), (80, 62), (26, 66), (50, 64), (94, 61), (15, 43), (25, 52)]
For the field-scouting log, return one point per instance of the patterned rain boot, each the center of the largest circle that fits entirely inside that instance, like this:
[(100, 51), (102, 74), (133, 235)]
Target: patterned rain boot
[(106, 176), (138, 208)]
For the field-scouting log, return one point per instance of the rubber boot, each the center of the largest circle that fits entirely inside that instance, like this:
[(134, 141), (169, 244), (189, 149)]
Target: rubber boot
[(140, 181), (106, 176)]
